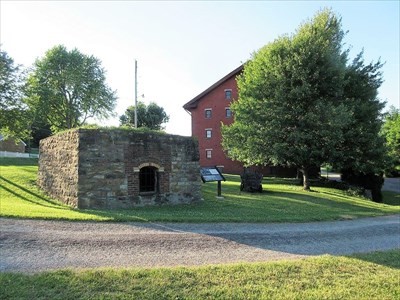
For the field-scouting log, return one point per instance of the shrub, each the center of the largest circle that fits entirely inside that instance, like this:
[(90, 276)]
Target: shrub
[(369, 181)]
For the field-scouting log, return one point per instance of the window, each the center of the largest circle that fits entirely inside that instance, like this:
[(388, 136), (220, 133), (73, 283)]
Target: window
[(148, 179), (228, 112), (208, 133), (207, 113), (228, 94), (208, 153)]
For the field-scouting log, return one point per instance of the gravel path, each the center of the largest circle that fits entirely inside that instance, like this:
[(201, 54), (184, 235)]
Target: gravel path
[(32, 245), (392, 184)]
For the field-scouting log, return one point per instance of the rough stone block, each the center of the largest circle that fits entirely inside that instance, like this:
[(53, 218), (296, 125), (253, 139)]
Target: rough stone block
[(92, 168)]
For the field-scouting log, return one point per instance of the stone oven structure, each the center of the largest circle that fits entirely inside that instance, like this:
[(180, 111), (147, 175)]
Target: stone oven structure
[(117, 168)]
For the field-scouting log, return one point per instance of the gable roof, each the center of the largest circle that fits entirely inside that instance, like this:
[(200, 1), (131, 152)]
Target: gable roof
[(2, 138), (193, 103)]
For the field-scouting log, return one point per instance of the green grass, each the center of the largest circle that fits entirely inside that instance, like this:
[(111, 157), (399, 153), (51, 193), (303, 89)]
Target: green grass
[(282, 201), (391, 198), (362, 276)]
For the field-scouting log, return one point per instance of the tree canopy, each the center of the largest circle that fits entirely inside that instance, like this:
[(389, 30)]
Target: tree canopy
[(14, 120), (66, 88), (391, 133), (292, 107), (150, 116), (363, 146)]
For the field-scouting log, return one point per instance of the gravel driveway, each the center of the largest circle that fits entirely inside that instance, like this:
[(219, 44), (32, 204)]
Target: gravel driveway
[(32, 246), (392, 184)]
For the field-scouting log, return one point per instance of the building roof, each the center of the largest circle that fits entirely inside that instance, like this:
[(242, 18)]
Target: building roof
[(193, 103), (2, 138)]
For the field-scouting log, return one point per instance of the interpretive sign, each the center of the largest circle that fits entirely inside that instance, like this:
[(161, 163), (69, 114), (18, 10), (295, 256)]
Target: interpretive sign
[(211, 174)]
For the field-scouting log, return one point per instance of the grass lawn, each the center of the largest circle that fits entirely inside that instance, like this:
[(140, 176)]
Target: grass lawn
[(362, 276), (282, 201)]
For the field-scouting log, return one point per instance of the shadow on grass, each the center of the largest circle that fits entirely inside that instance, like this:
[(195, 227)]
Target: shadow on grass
[(31, 201), (53, 203), (12, 161), (121, 215), (339, 203), (389, 258), (391, 198)]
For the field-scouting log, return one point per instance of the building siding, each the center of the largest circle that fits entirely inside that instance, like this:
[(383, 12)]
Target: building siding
[(12, 145), (214, 98)]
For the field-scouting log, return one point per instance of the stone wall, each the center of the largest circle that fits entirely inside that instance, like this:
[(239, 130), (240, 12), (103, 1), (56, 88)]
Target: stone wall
[(122, 168), (58, 167)]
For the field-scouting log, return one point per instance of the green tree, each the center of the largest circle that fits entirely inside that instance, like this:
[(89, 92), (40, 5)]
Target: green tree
[(40, 131), (151, 116), (391, 133), (14, 116), (363, 145), (289, 110), (66, 88)]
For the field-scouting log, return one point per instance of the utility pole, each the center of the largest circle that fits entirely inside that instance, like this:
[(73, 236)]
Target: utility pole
[(135, 93)]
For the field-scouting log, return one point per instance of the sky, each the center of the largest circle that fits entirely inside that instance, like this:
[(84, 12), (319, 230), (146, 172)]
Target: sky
[(183, 47)]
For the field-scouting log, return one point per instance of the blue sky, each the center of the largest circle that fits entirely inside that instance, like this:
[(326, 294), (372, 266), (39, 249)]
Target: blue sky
[(183, 47)]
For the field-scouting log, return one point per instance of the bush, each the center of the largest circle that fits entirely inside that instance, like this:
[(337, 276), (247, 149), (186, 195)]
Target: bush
[(351, 190), (369, 181), (395, 172)]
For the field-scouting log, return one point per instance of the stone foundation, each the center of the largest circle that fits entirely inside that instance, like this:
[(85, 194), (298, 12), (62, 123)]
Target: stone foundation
[(115, 168)]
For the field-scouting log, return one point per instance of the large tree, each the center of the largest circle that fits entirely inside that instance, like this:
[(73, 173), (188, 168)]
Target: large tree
[(151, 116), (289, 110), (14, 116), (66, 88)]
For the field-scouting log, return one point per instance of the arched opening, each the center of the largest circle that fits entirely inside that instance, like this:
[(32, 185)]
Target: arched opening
[(148, 180)]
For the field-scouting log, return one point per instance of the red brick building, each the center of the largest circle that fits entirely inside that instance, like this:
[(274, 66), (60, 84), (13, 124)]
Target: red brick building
[(208, 110)]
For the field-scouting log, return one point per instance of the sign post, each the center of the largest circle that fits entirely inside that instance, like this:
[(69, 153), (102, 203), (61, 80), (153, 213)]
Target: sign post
[(219, 189), (210, 174)]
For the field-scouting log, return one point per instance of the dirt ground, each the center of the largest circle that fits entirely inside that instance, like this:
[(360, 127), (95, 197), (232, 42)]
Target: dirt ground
[(33, 245)]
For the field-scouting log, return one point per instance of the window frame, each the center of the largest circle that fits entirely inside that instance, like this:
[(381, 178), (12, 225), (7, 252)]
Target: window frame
[(208, 130), (206, 110), (226, 93), (209, 153), (226, 112)]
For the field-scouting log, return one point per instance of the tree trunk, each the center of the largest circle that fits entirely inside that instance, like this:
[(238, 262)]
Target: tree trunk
[(306, 179)]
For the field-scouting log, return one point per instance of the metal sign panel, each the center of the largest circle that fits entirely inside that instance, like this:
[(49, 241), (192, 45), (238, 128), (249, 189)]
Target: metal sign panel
[(211, 174)]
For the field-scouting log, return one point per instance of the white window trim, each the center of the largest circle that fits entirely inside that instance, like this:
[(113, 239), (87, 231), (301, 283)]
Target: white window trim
[(207, 150), (208, 129)]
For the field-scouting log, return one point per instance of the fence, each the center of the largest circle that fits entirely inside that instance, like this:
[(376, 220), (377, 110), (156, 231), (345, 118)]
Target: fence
[(18, 154)]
